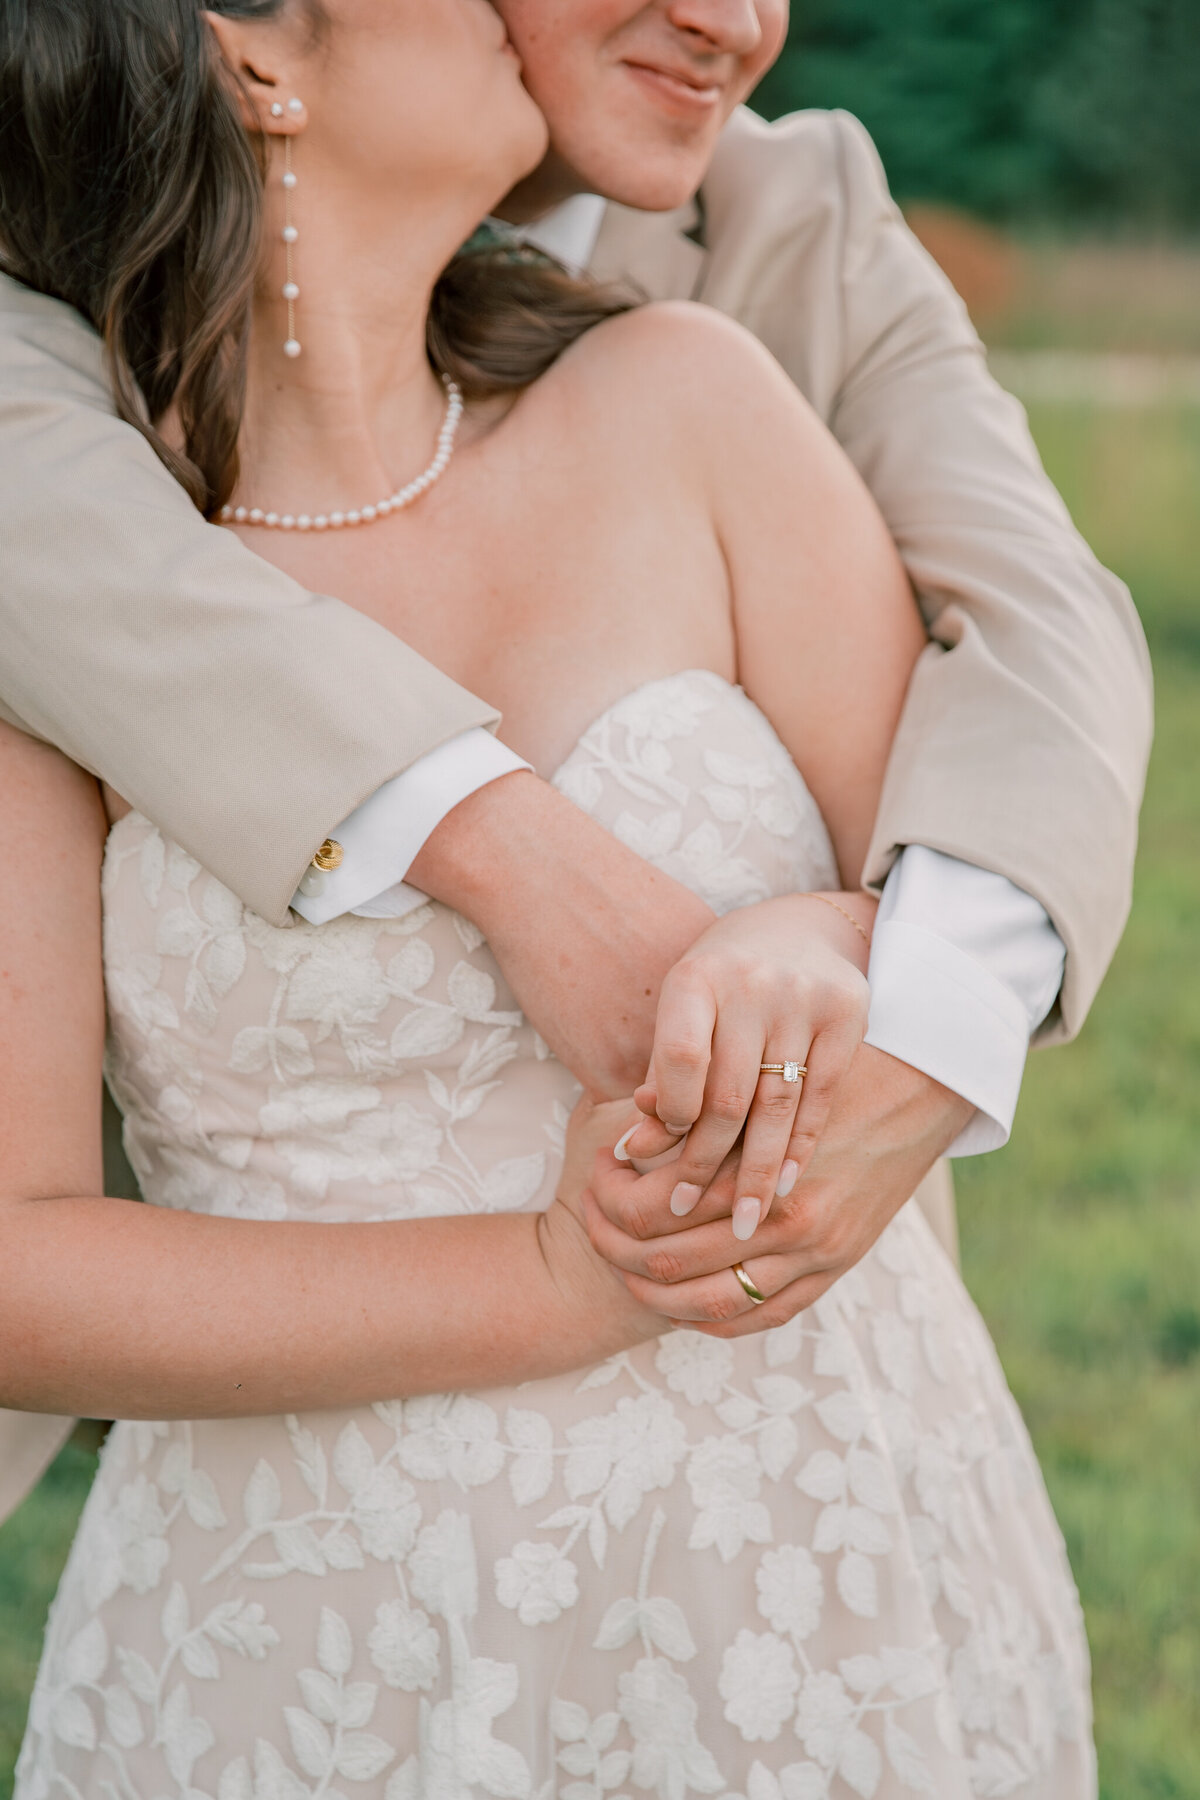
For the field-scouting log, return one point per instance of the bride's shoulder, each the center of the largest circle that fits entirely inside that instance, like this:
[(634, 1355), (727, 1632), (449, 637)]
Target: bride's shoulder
[(665, 336), (675, 362)]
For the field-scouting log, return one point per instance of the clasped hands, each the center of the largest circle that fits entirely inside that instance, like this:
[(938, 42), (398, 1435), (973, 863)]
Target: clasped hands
[(794, 1181)]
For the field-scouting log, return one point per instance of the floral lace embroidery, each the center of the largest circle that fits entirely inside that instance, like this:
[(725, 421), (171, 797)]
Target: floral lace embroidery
[(816, 1563)]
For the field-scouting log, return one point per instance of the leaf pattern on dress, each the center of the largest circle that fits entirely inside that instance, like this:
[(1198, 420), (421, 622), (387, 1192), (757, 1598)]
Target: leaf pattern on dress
[(809, 1565)]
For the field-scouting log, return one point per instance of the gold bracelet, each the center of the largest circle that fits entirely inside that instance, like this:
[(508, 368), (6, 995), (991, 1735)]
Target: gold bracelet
[(826, 901)]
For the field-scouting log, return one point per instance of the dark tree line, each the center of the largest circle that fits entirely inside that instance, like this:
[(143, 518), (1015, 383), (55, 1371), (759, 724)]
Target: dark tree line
[(1076, 111)]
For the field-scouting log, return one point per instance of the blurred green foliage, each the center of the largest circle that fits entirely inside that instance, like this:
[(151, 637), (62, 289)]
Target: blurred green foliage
[(1068, 111)]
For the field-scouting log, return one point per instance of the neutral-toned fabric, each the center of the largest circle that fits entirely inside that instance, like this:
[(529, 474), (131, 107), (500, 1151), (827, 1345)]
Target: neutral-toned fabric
[(1024, 743), (381, 838), (246, 716), (29, 1442), (964, 967), (192, 675), (205, 685), (816, 1562)]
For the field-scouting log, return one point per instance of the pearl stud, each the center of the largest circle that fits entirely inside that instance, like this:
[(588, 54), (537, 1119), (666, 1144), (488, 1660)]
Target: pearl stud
[(295, 107)]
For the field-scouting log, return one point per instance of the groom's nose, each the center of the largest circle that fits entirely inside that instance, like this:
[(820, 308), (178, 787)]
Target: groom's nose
[(734, 27)]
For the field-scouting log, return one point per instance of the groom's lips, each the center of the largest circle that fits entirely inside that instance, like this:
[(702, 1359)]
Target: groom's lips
[(684, 92)]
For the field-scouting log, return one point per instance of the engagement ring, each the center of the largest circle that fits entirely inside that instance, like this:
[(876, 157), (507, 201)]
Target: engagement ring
[(791, 1071)]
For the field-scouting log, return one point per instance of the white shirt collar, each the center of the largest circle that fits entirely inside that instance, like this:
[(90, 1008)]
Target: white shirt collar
[(567, 232)]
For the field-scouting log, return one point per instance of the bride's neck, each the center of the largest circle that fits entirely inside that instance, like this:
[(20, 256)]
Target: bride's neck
[(354, 415)]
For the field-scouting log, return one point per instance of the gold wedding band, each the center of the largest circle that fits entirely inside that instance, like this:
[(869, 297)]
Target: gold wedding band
[(748, 1285), (791, 1071)]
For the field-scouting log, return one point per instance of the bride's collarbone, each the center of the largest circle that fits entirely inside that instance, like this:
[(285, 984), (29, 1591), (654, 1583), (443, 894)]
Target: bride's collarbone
[(548, 583), (514, 598)]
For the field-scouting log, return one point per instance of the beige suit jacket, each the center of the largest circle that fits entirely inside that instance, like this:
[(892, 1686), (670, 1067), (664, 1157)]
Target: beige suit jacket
[(248, 717), (1024, 742)]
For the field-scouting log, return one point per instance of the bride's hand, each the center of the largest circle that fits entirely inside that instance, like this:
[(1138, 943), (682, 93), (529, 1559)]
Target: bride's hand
[(594, 1289), (783, 981), (594, 1125)]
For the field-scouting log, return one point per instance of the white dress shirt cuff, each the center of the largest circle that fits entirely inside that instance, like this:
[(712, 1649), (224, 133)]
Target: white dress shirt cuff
[(937, 1009), (964, 966), (382, 837)]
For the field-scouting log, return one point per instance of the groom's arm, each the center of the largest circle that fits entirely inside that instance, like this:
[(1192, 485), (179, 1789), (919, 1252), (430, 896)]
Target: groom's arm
[(1014, 787), (250, 719), (1022, 749), (1007, 828), (244, 715), (1006, 835)]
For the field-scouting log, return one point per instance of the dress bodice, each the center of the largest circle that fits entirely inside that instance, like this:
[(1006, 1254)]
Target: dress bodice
[(813, 1563), (380, 1068)]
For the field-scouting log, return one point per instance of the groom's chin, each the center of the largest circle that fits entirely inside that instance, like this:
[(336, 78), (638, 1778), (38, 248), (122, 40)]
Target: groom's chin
[(660, 185), (638, 153)]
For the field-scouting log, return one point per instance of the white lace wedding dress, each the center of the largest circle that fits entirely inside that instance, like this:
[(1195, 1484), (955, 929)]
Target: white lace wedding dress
[(816, 1562)]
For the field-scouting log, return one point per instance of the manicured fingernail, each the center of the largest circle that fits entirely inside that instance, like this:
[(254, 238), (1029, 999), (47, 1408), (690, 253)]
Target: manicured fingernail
[(787, 1179), (683, 1197), (746, 1215), (676, 1130), (619, 1150)]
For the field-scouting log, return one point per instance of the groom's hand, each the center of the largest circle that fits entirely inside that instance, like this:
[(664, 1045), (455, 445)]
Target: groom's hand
[(888, 1126), (584, 929)]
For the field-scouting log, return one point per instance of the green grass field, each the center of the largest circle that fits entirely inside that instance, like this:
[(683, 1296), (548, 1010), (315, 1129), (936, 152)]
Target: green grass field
[(1081, 1241)]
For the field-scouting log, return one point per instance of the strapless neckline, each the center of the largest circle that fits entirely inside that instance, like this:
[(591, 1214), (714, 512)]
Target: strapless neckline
[(643, 690), (379, 1064)]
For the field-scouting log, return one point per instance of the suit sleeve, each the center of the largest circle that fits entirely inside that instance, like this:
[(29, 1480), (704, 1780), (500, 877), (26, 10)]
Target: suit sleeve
[(240, 713), (1024, 742)]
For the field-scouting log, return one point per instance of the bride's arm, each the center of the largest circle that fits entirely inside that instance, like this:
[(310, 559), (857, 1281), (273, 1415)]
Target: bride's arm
[(826, 625), (113, 1309), (826, 633)]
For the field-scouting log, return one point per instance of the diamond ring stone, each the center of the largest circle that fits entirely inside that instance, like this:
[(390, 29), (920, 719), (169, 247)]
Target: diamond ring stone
[(791, 1071)]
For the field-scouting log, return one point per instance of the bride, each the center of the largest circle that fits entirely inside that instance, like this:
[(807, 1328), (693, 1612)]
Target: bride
[(412, 1495)]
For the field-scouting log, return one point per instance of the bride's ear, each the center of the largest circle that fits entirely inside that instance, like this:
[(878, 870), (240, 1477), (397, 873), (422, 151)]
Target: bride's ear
[(266, 98)]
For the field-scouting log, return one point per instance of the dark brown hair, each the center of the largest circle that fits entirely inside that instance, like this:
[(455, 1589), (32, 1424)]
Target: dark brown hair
[(130, 189)]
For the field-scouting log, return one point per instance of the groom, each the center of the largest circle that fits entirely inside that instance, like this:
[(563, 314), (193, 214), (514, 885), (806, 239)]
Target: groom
[(1005, 841)]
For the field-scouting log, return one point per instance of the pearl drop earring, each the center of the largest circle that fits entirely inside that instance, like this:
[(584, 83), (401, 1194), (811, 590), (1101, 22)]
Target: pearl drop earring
[(291, 292)]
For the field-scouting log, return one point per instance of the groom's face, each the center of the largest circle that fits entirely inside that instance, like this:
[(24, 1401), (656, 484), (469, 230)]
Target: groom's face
[(636, 91)]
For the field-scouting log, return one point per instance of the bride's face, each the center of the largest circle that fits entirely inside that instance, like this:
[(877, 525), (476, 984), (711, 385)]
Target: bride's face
[(417, 102)]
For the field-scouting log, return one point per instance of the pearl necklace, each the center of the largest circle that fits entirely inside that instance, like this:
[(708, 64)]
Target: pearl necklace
[(363, 515)]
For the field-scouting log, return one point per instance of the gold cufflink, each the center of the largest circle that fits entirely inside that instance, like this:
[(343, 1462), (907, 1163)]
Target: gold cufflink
[(330, 856)]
